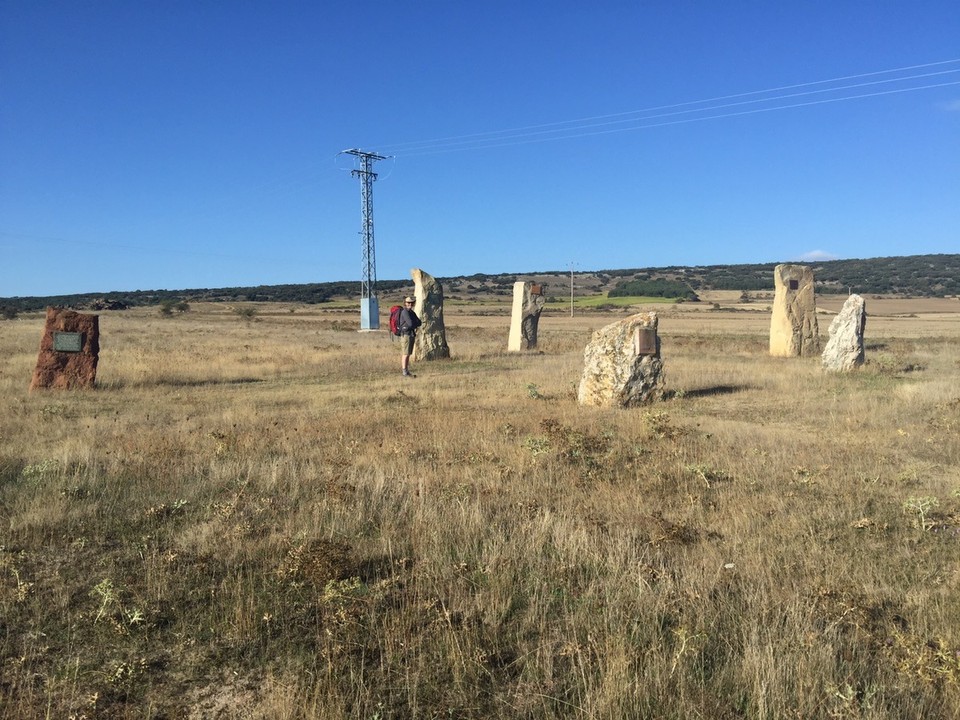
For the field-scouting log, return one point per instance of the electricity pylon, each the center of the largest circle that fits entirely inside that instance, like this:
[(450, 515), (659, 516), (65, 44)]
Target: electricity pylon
[(369, 309)]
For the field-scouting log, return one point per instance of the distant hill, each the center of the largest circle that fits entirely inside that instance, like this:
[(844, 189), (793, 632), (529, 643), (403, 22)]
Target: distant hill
[(917, 275), (911, 275)]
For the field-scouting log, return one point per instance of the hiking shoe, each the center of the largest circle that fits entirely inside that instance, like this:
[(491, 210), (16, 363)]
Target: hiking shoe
[(407, 373)]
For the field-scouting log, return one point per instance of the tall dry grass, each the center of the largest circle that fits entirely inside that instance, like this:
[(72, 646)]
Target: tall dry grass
[(261, 518)]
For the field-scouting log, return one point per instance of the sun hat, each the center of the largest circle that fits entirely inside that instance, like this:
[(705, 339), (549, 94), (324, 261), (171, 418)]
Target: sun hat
[(408, 299)]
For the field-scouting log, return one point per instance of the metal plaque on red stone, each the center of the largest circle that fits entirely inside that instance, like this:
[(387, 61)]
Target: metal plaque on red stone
[(69, 351)]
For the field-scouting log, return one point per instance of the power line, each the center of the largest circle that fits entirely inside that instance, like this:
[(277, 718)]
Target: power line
[(676, 105), (493, 143), (573, 128), (544, 133), (141, 250)]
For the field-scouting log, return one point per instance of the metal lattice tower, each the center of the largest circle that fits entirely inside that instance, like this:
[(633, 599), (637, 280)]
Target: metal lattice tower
[(369, 312)]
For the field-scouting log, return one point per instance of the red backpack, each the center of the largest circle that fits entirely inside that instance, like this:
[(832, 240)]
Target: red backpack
[(395, 319)]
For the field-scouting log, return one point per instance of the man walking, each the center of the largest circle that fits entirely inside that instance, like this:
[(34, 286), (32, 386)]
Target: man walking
[(408, 324)]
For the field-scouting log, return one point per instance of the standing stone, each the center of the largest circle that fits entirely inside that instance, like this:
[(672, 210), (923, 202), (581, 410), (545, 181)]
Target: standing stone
[(793, 327), (844, 349), (622, 365), (431, 343), (69, 350), (528, 302)]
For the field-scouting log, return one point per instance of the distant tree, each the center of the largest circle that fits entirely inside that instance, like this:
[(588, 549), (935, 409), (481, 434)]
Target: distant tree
[(9, 312), (653, 288), (166, 308), (182, 306)]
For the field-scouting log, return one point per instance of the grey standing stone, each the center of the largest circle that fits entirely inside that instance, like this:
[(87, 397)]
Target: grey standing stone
[(431, 343), (622, 365), (844, 349)]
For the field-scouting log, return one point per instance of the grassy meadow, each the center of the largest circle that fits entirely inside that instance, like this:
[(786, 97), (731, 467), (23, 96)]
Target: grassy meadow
[(255, 516)]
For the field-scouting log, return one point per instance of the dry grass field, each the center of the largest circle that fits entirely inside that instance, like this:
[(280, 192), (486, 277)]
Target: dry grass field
[(257, 517)]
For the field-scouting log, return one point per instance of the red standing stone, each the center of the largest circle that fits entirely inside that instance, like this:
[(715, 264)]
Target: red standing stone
[(59, 369)]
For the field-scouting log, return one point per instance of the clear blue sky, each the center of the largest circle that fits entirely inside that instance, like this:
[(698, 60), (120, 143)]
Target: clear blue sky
[(182, 144)]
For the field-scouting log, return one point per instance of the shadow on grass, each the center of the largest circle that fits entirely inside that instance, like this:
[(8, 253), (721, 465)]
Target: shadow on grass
[(179, 383), (710, 391)]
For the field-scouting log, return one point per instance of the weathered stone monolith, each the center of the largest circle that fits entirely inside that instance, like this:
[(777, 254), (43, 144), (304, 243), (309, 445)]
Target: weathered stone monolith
[(431, 343), (844, 349), (793, 327), (528, 302), (69, 351), (622, 365)]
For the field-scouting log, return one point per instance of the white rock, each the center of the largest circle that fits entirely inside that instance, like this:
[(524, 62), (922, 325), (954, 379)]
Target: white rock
[(528, 302), (844, 349)]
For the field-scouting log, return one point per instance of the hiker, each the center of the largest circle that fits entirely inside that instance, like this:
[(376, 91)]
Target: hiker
[(407, 324)]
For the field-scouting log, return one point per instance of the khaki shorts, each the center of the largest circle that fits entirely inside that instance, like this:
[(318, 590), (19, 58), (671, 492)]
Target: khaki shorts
[(406, 344)]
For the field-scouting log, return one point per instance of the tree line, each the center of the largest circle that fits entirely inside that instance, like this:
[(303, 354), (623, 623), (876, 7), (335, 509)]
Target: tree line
[(914, 275)]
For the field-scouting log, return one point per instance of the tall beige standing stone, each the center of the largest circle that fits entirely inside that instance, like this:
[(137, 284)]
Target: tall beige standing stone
[(528, 302), (69, 350), (793, 328), (431, 343), (622, 365), (844, 349)]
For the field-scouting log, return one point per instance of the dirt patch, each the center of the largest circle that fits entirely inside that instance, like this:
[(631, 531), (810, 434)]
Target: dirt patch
[(229, 696)]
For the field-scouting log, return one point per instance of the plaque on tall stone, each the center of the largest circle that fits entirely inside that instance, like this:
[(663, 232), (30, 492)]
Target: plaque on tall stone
[(844, 350), (793, 327), (622, 365), (431, 343), (69, 351), (528, 302)]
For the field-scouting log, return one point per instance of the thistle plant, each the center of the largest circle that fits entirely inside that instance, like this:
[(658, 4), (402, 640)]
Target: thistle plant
[(921, 507)]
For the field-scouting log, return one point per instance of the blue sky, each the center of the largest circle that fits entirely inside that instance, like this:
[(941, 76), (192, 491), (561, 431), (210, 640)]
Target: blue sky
[(172, 145)]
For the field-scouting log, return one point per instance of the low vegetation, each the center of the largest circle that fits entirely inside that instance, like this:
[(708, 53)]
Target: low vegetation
[(914, 275), (603, 302), (654, 288), (264, 520)]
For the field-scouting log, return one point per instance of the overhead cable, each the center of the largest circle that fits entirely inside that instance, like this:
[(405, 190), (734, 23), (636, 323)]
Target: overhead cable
[(539, 132)]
